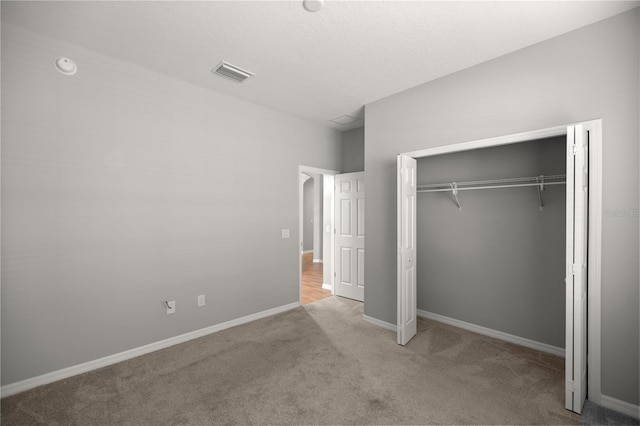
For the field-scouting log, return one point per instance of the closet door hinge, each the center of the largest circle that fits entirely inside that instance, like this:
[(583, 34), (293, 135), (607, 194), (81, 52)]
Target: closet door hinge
[(572, 268), (571, 385), (573, 149)]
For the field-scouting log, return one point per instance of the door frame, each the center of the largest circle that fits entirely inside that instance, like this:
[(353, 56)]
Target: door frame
[(323, 172), (594, 230)]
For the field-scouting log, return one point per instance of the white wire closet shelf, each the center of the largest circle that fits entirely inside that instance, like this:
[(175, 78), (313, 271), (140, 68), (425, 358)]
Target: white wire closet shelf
[(538, 181)]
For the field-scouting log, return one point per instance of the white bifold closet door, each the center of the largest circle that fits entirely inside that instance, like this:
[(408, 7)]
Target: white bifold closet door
[(407, 302), (349, 236), (576, 276)]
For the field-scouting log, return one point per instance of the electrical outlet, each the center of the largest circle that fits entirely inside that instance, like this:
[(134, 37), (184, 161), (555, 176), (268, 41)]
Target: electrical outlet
[(171, 307), (201, 300), (285, 233)]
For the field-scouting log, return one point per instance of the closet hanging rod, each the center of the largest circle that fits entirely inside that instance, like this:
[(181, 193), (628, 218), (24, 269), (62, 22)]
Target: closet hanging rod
[(490, 187), (494, 183)]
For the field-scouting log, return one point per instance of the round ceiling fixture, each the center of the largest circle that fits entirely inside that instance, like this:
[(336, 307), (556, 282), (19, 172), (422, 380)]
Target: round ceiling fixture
[(66, 66), (313, 5)]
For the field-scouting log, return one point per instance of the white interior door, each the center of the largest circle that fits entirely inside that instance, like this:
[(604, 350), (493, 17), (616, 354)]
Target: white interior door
[(349, 221), (576, 277), (407, 303)]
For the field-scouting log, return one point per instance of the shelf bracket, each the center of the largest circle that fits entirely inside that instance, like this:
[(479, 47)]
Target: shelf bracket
[(454, 191), (540, 186)]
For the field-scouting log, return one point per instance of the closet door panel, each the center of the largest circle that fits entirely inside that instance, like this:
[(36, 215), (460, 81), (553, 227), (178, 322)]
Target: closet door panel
[(407, 321), (576, 278)]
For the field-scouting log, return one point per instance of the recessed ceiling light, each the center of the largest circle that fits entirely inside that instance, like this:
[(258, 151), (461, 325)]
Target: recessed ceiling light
[(66, 66), (313, 5)]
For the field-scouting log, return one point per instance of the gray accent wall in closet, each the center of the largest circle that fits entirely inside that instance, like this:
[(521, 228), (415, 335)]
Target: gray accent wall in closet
[(498, 262)]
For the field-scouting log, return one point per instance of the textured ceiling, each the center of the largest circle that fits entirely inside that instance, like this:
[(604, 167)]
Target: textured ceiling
[(316, 66)]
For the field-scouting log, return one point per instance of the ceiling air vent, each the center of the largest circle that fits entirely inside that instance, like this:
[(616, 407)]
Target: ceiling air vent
[(343, 120), (225, 69)]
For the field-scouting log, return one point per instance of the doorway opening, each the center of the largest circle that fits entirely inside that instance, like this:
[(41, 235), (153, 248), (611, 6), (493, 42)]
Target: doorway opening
[(315, 212)]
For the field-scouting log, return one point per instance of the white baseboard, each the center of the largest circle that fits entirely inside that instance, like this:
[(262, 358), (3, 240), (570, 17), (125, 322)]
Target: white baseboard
[(327, 287), (380, 323), (543, 347), (614, 404), (14, 388)]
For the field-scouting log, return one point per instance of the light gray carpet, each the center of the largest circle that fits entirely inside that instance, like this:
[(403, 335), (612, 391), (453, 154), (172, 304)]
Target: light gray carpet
[(593, 414), (318, 364)]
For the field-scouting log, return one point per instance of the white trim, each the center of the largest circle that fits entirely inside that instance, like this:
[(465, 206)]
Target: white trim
[(328, 267), (327, 287), (380, 323), (594, 279), (614, 404), (490, 142), (307, 251), (317, 260), (317, 170), (14, 388), (543, 347)]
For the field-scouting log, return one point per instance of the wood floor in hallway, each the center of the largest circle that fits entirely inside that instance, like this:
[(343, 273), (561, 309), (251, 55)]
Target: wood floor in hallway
[(312, 290)]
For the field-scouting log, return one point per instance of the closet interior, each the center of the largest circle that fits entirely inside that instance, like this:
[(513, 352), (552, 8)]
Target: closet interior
[(491, 238)]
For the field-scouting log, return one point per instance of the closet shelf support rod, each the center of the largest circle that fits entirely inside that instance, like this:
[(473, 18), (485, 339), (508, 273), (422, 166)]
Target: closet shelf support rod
[(496, 183), (454, 191), (540, 189)]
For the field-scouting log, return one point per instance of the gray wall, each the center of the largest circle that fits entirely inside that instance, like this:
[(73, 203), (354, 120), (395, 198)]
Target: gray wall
[(307, 214), (313, 215), (353, 150), (585, 74), (122, 188), (498, 262)]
